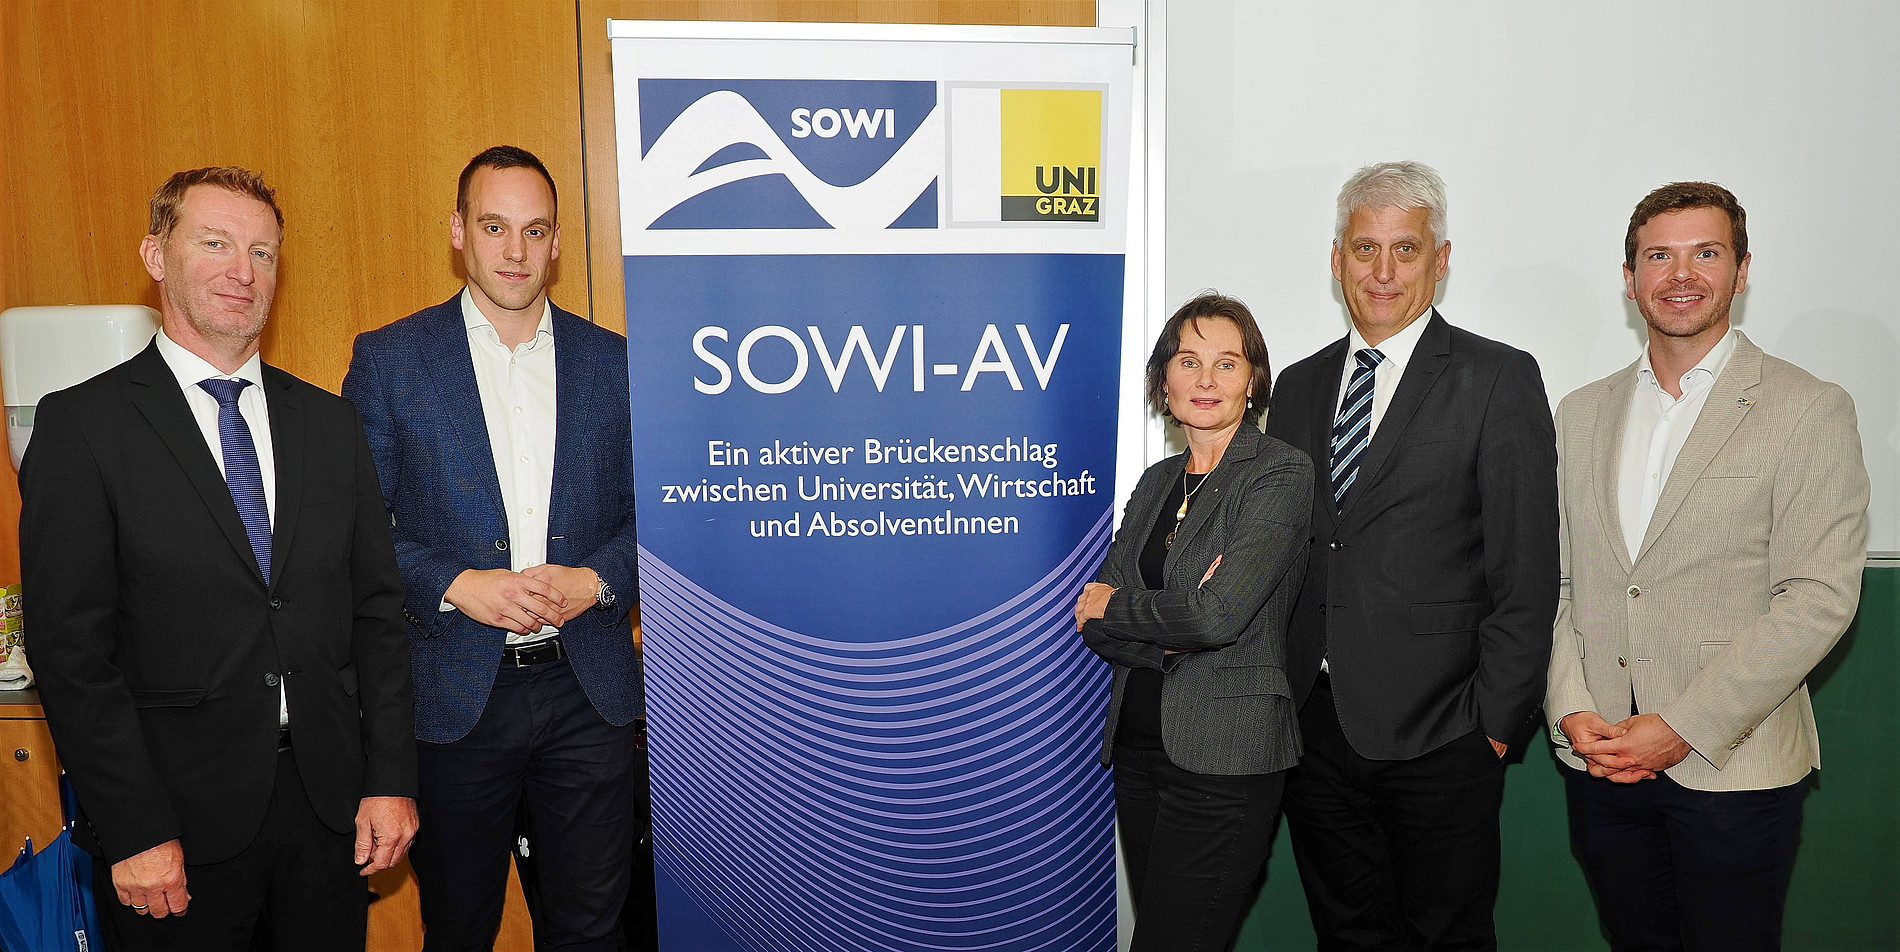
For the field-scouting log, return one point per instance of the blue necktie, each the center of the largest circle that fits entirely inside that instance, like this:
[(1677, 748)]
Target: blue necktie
[(1352, 429), (241, 473)]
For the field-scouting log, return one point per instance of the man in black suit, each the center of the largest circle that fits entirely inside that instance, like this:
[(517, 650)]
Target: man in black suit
[(1418, 646), (218, 629)]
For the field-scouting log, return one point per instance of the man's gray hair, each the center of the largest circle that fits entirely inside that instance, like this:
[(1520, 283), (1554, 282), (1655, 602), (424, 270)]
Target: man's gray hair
[(1406, 185)]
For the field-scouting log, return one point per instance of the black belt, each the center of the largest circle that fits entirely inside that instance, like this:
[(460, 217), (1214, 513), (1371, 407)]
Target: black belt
[(283, 739), (539, 652)]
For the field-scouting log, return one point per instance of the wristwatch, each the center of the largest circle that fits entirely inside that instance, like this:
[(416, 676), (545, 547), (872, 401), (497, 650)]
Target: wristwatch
[(604, 596)]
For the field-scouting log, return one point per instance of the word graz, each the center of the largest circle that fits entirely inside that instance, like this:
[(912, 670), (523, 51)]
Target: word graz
[(1078, 182), (827, 123), (992, 356)]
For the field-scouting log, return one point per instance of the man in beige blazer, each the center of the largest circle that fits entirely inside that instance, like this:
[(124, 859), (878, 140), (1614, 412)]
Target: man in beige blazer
[(1713, 531)]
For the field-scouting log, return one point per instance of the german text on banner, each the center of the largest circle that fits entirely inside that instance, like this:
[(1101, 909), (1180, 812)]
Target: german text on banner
[(874, 306)]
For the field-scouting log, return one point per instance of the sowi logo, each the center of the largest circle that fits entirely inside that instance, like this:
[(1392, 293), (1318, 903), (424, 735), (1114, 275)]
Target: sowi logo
[(851, 155), (1052, 154)]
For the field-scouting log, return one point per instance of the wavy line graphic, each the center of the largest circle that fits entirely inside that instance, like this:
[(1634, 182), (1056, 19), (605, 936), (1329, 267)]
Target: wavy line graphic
[(671, 173), (925, 793)]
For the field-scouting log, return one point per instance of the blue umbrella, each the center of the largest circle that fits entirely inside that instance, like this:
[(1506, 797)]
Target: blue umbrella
[(46, 900)]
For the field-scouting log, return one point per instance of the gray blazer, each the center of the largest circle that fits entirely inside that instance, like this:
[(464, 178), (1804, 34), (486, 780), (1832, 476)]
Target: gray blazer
[(1748, 573), (1226, 706)]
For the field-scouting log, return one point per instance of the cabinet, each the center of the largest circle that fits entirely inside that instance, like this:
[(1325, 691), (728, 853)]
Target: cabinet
[(29, 775)]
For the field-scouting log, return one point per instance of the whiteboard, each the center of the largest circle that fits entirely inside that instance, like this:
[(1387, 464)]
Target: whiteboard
[(1548, 123)]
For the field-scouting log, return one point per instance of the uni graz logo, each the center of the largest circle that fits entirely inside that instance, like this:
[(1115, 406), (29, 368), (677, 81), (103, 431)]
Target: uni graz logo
[(1052, 154), (1024, 154), (775, 154)]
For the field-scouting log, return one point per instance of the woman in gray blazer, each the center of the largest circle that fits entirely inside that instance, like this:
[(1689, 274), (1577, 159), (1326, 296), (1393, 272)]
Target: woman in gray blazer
[(1191, 609)]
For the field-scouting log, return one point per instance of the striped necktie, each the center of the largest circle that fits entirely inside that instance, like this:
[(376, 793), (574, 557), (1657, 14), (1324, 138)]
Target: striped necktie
[(242, 474), (1352, 429)]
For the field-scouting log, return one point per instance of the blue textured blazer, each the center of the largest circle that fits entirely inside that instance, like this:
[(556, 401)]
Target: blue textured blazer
[(413, 381)]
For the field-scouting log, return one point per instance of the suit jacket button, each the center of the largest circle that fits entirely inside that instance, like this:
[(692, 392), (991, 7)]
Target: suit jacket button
[(1634, 591), (1335, 545), (1621, 663), (276, 603), (271, 679), (501, 545)]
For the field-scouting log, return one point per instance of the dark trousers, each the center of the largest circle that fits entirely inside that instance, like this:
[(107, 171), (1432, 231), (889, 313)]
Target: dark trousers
[(540, 745), (1680, 869), (1395, 854), (298, 875), (1195, 845)]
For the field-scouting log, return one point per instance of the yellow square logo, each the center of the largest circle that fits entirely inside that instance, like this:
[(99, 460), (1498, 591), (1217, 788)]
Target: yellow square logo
[(1052, 154)]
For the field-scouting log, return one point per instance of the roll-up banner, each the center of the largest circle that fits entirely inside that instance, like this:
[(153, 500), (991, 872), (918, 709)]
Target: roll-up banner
[(874, 305)]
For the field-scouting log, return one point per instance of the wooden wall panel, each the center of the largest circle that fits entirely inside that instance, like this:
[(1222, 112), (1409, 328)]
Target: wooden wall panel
[(359, 112), (9, 25)]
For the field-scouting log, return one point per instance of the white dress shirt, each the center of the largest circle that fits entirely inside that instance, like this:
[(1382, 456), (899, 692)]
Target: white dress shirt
[(517, 391), (1397, 350), (1658, 426), (190, 368)]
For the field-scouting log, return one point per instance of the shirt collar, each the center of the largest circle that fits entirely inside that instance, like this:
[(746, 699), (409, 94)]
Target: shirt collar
[(474, 320), (1703, 373), (190, 368), (1397, 349)]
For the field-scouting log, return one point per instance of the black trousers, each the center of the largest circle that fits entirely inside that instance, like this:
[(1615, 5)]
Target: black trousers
[(299, 876), (1395, 854), (1680, 869), (539, 745), (1195, 845)]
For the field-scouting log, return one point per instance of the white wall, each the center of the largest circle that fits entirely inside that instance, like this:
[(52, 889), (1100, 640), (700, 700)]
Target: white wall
[(1548, 123)]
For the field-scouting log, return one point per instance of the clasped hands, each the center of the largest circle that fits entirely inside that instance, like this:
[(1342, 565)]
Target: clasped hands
[(524, 601), (1636, 749)]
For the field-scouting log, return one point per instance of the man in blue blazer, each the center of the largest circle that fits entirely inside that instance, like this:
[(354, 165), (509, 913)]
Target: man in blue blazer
[(501, 433)]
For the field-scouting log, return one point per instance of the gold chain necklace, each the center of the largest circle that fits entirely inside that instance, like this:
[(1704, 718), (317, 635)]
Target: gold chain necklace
[(1187, 495)]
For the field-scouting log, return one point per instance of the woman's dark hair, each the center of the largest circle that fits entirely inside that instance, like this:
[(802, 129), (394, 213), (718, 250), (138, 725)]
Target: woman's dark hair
[(1211, 304)]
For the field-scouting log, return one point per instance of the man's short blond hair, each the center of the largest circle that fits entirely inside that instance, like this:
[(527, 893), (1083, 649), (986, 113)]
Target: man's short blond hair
[(170, 196)]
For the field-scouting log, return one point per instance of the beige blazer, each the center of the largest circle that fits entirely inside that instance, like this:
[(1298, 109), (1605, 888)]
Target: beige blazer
[(1747, 576)]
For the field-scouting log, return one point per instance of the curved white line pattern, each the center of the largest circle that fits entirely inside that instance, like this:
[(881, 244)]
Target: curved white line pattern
[(933, 792), (665, 177)]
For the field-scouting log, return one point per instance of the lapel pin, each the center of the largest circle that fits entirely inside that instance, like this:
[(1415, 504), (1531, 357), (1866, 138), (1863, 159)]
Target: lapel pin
[(1744, 402)]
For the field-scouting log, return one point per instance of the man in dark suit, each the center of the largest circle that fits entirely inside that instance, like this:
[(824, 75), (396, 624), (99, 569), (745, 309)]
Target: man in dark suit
[(217, 611), (501, 431), (1417, 646)]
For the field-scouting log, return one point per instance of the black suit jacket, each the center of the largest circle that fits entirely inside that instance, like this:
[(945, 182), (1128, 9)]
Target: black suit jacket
[(1432, 593), (158, 647)]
